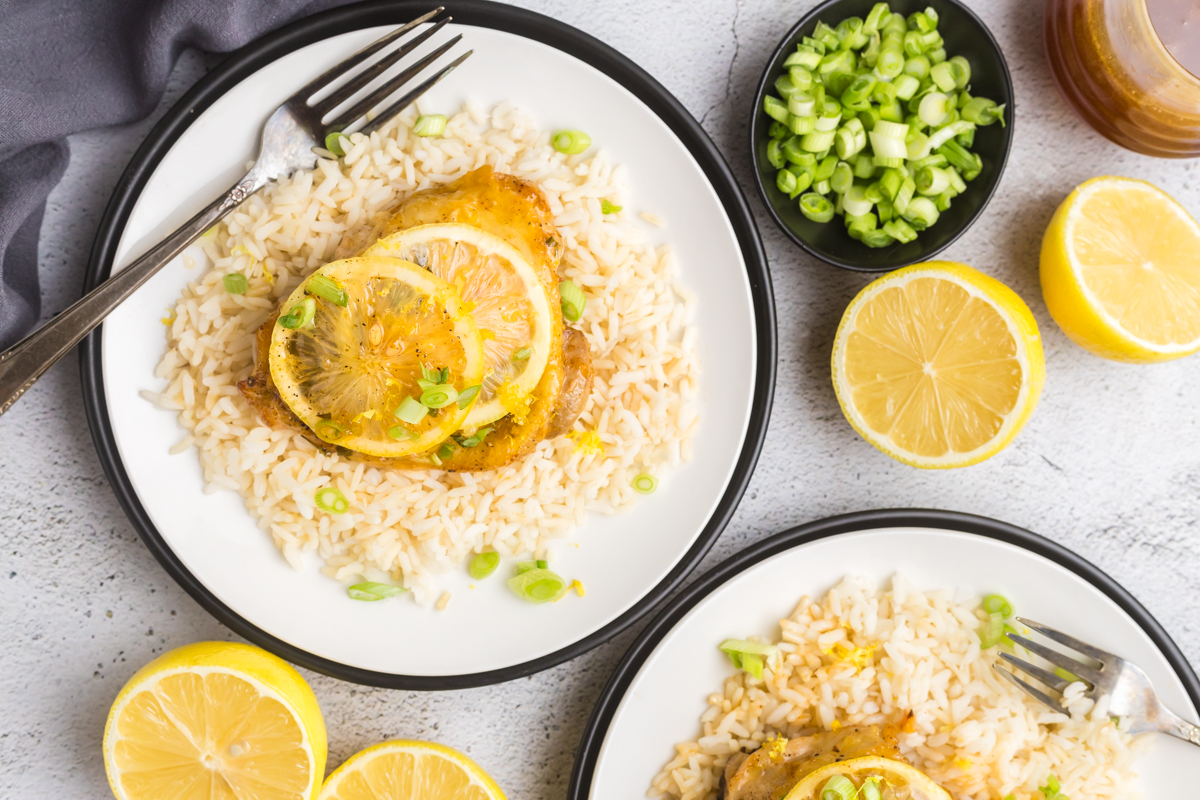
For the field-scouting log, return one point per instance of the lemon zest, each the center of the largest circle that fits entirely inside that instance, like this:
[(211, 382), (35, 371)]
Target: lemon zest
[(370, 413), (835, 725), (774, 747), (586, 441), (170, 318), (485, 334), (857, 657), (963, 763), (515, 402), (578, 587)]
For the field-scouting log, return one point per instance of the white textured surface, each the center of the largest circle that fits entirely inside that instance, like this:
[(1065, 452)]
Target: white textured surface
[(1109, 465)]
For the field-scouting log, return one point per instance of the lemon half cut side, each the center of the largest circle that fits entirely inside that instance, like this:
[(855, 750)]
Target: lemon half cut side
[(348, 372), (1120, 271), (938, 365), (903, 779), (215, 721), (503, 294), (410, 770)]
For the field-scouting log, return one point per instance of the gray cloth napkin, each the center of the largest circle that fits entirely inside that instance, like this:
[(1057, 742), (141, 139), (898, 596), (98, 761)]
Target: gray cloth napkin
[(71, 65)]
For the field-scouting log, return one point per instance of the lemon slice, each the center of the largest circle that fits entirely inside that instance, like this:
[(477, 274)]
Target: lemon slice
[(904, 780), (938, 365), (348, 372), (1121, 271), (215, 721), (412, 771), (502, 292)]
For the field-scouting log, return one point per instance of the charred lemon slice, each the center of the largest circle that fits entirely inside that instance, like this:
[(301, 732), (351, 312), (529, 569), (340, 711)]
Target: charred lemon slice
[(893, 780), (501, 290), (377, 355)]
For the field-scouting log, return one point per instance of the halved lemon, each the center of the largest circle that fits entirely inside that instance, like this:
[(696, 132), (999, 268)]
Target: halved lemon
[(938, 365), (892, 778), (502, 292), (348, 372), (1120, 271), (412, 771), (215, 721)]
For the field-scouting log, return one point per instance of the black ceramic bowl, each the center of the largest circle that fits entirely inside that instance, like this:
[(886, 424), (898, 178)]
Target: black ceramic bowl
[(965, 35)]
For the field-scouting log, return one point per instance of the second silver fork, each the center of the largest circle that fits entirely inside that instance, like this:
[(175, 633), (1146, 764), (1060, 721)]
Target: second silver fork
[(1131, 695), (288, 138)]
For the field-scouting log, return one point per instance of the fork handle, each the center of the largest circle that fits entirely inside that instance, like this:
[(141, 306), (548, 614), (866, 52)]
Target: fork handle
[(25, 362), (1178, 727)]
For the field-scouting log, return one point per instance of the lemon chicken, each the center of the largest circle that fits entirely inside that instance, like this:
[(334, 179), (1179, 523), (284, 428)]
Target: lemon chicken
[(436, 340), (852, 762)]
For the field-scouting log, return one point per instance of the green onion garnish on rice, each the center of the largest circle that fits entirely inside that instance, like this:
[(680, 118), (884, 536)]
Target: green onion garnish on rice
[(1052, 790), (410, 411), (998, 604), (542, 564), (371, 591), (748, 656), (327, 288), (839, 787), (608, 208), (483, 565), (537, 585), (300, 316), (430, 125), (331, 500), (236, 283), (573, 301), (570, 142), (333, 143), (644, 483)]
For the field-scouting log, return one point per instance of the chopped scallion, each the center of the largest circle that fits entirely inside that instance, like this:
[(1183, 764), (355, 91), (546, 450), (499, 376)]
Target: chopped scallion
[(300, 316), (522, 354), (475, 438), (327, 288), (644, 483), (573, 301), (400, 433), (333, 143), (608, 208), (236, 283), (329, 430), (483, 565), (331, 500), (430, 125), (572, 142), (411, 411), (467, 395), (816, 207), (998, 604), (537, 585), (839, 787), (371, 591), (749, 656), (439, 396)]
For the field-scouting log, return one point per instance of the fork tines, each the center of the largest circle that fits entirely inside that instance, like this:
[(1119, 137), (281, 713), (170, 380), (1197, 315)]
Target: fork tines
[(347, 83), (1097, 678)]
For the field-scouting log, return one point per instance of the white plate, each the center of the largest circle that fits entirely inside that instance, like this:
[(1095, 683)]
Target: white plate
[(662, 687), (214, 548)]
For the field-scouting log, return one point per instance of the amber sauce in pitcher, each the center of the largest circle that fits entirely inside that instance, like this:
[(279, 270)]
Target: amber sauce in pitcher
[(1131, 68)]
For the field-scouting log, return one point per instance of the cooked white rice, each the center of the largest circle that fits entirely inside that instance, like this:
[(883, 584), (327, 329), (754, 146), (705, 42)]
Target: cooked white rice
[(409, 525), (972, 731)]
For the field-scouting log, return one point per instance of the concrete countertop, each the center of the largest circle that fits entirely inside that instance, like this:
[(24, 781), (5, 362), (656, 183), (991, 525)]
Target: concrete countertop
[(1109, 465)]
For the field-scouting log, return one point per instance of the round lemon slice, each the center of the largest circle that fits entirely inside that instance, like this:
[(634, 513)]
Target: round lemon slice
[(938, 365), (411, 770), (386, 369), (503, 294), (892, 778), (1120, 271), (215, 721)]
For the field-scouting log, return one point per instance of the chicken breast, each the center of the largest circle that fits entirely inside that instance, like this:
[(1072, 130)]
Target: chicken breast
[(517, 211), (768, 775)]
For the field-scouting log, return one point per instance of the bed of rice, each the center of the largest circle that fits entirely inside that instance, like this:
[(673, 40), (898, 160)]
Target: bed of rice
[(410, 525), (864, 655)]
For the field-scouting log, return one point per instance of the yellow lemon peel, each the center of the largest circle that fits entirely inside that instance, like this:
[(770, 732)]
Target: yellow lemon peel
[(774, 747), (858, 657), (835, 726), (578, 587), (586, 441), (515, 402), (963, 763), (170, 318)]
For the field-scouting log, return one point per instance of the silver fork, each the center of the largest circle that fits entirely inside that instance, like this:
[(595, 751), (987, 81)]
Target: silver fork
[(1131, 695), (288, 139)]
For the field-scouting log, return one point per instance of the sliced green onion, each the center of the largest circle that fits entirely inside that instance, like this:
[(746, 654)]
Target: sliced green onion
[(843, 177), (644, 483), (905, 195), (877, 239), (439, 396), (870, 788), (523, 567), (400, 433), (236, 283), (467, 395), (906, 87), (775, 156), (932, 181), (943, 75), (962, 71), (786, 87), (916, 67), (934, 109), (816, 207), (921, 213), (943, 135), (778, 131), (574, 142), (371, 591), (411, 411), (775, 108), (573, 301), (858, 226), (537, 585), (817, 141), (876, 17), (900, 230), (749, 656), (333, 143), (998, 604), (430, 125), (864, 166), (446, 451), (483, 565), (801, 104), (608, 208), (982, 111), (331, 500), (890, 63), (801, 125), (855, 201), (839, 787), (991, 631), (522, 354), (325, 287), (937, 56), (475, 438), (785, 181), (300, 316), (329, 430), (542, 564)]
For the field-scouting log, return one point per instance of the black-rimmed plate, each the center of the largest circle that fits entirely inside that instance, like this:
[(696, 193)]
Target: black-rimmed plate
[(210, 543), (657, 693)]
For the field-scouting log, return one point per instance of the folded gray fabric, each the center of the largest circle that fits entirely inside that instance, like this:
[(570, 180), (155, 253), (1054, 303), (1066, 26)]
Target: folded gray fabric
[(71, 65)]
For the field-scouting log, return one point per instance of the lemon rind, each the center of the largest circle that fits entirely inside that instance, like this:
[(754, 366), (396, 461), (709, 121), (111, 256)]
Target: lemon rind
[(492, 410), (864, 762), (973, 284), (363, 757)]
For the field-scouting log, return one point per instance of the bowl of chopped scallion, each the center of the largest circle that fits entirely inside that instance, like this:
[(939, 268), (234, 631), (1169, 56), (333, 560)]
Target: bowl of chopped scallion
[(880, 130)]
